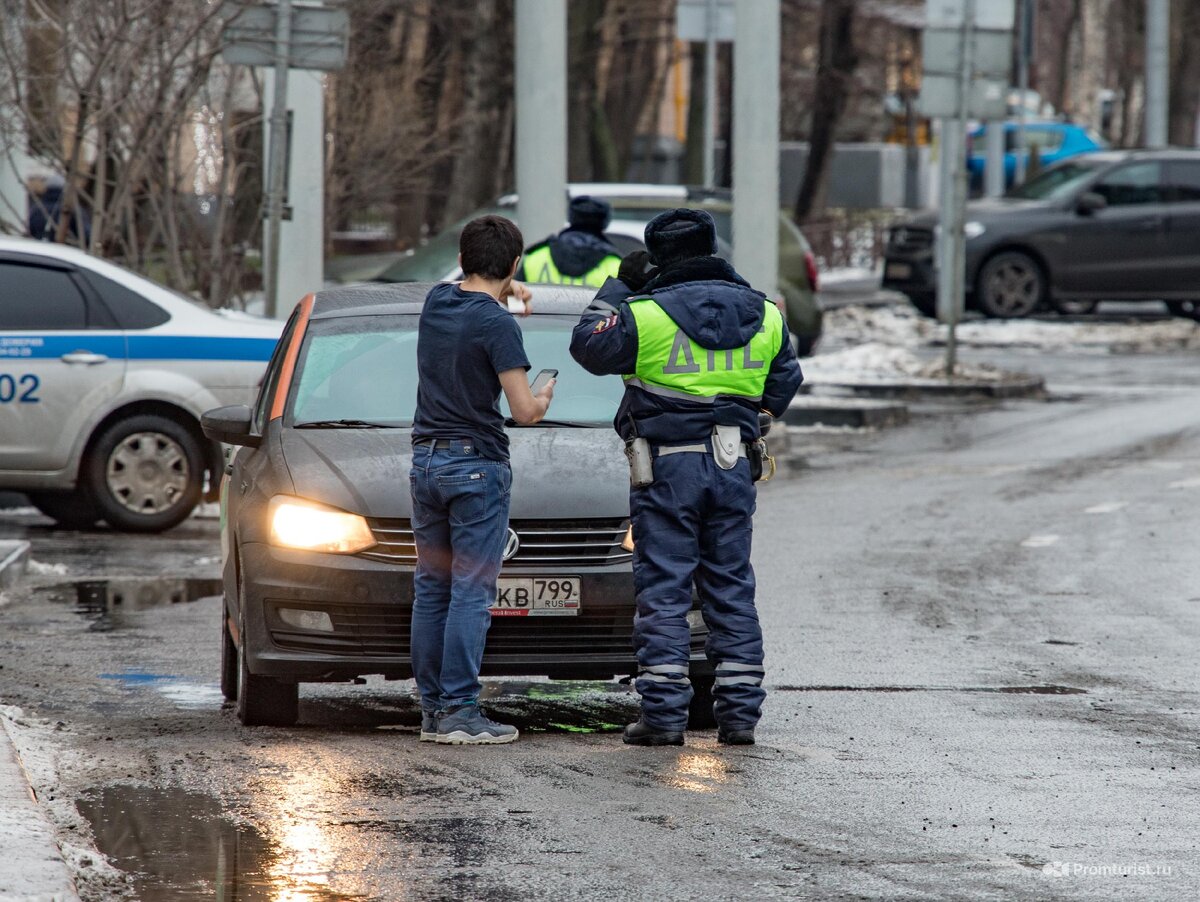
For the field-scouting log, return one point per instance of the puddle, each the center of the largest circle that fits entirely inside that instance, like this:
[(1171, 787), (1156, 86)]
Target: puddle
[(178, 845), (1007, 690), (105, 602), (183, 693)]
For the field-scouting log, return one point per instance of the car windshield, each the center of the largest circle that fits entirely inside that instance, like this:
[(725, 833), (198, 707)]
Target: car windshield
[(1057, 182), (644, 212), (362, 371)]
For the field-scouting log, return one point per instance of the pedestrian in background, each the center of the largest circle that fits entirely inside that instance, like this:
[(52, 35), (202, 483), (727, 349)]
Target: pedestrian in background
[(469, 349), (701, 353), (578, 255)]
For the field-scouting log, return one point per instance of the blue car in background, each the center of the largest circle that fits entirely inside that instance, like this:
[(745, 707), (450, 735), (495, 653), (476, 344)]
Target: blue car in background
[(1055, 141)]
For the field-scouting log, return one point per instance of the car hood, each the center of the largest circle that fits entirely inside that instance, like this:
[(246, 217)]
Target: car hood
[(558, 472), (987, 210)]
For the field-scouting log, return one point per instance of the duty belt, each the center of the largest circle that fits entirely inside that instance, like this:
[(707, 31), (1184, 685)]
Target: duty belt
[(699, 447)]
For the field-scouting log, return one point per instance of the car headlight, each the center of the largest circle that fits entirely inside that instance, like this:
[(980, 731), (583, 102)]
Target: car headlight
[(307, 525), (973, 230)]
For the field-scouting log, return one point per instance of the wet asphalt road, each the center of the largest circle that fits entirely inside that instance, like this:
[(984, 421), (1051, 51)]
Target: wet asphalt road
[(982, 633)]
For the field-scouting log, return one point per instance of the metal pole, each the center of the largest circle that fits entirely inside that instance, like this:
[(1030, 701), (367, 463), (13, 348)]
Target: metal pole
[(958, 246), (541, 34), (1158, 14), (993, 170), (277, 159), (710, 94), (756, 156), (1024, 35)]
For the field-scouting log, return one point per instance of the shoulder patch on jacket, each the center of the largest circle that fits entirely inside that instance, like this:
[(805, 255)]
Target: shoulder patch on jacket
[(605, 324)]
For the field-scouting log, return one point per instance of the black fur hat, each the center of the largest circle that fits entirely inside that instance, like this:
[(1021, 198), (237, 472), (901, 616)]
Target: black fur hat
[(678, 235), (589, 214)]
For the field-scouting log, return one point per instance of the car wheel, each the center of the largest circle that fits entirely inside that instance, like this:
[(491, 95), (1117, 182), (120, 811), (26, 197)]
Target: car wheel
[(71, 510), (700, 711), (146, 473), (926, 304), (229, 658), (1076, 308), (262, 701), (1189, 309), (1011, 284)]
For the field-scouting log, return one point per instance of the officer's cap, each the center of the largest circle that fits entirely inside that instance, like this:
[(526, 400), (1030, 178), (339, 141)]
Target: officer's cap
[(589, 214), (678, 235)]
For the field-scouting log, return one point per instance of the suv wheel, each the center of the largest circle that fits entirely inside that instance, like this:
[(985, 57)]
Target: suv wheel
[(146, 473), (1185, 309), (700, 711), (1011, 284), (71, 510), (261, 701), (229, 658)]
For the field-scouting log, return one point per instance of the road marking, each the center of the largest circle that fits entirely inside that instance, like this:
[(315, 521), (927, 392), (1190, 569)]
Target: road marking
[(1187, 484), (1107, 507), (1039, 541)]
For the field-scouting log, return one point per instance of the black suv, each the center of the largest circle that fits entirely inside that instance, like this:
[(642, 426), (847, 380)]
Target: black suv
[(1121, 225)]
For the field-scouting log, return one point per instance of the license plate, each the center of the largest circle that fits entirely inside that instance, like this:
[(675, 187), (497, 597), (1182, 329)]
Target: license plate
[(536, 596), (898, 271)]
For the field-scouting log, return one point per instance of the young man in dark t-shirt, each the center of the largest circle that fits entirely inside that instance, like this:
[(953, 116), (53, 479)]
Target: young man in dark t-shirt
[(469, 349)]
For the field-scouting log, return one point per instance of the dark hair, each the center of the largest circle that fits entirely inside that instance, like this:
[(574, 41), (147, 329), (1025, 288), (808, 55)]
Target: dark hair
[(489, 245)]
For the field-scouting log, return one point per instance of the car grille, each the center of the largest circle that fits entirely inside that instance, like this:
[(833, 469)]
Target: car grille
[(384, 631), (910, 239), (563, 543)]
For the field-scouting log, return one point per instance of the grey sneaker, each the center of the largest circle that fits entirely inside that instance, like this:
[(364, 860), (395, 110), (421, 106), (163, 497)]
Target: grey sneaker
[(429, 725), (467, 725)]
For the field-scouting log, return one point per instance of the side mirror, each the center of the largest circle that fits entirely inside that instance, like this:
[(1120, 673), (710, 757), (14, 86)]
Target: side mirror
[(231, 425), (1090, 202), (764, 423)]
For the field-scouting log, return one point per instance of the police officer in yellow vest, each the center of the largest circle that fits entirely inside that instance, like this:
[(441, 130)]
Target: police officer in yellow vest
[(579, 254), (701, 353)]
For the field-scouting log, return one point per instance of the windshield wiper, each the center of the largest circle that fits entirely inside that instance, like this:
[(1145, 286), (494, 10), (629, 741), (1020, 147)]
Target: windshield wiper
[(574, 424), (342, 424)]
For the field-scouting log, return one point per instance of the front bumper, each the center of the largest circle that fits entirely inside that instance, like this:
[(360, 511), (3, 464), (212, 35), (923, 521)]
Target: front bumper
[(370, 606)]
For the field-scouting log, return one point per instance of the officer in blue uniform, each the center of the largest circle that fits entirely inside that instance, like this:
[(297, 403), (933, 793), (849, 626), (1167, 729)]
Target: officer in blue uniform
[(701, 353), (578, 255)]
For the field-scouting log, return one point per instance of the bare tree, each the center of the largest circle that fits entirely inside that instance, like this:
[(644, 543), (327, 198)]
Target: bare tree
[(836, 62)]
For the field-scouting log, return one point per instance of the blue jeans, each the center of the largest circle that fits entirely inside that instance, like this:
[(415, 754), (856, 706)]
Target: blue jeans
[(460, 523)]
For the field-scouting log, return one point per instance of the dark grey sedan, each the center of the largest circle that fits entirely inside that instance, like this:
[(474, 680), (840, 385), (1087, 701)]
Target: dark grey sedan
[(1103, 226), (315, 515)]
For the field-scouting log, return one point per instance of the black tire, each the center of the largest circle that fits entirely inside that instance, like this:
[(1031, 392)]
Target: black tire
[(229, 658), (166, 484), (1010, 285), (926, 304), (262, 701), (1186, 309), (700, 711), (1076, 308), (71, 510)]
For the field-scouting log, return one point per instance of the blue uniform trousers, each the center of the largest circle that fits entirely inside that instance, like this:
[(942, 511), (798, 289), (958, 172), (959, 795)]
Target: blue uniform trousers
[(694, 523)]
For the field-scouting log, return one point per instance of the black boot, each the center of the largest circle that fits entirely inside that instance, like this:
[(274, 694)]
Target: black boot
[(735, 737), (641, 733)]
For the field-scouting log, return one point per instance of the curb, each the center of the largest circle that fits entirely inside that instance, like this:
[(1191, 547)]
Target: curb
[(1029, 387), (857, 413), (14, 558), (32, 868)]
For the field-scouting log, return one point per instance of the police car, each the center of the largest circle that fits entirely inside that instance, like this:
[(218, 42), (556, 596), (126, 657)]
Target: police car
[(103, 377)]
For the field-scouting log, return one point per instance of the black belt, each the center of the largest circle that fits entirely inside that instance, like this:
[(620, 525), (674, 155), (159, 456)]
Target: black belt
[(440, 444)]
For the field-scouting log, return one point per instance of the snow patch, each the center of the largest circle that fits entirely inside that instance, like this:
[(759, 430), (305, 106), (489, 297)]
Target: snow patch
[(44, 568), (879, 363)]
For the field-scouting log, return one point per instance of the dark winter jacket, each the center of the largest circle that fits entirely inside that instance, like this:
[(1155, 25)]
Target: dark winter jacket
[(716, 308), (575, 253)]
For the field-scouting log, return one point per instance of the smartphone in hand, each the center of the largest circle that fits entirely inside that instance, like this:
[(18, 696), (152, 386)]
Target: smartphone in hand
[(540, 380)]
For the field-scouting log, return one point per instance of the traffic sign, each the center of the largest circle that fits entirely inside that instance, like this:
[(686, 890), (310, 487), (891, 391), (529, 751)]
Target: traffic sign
[(319, 37)]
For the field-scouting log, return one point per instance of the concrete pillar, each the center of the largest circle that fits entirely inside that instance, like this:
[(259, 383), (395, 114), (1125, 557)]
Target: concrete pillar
[(302, 239), (541, 127), (756, 144), (1158, 16)]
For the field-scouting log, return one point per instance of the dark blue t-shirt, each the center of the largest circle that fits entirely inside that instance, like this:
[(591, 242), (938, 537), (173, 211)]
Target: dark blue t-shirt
[(464, 341)]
